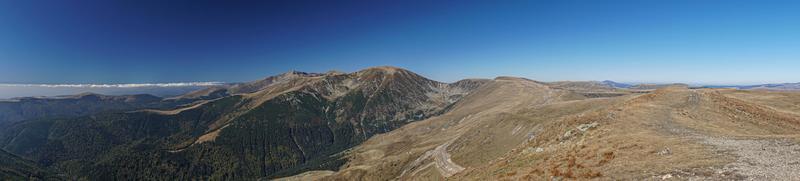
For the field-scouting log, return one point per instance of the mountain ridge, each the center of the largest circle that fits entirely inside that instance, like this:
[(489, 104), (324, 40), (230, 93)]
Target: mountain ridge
[(388, 123), (326, 115), (671, 132)]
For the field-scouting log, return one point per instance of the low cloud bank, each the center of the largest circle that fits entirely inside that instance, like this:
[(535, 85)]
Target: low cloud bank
[(177, 84)]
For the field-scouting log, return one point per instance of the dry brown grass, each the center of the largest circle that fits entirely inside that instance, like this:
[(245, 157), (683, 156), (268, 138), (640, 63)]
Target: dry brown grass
[(515, 129)]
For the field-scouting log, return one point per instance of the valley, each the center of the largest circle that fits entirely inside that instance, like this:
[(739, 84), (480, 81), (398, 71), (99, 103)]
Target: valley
[(399, 90), (387, 123)]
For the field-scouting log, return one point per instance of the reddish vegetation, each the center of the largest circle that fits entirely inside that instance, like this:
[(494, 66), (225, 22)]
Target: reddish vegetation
[(637, 136), (607, 156)]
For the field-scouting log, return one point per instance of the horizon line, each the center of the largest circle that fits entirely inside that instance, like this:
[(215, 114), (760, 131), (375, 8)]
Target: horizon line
[(123, 85)]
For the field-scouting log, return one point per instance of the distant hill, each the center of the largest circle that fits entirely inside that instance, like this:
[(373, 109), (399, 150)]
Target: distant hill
[(9, 91), (583, 86), (606, 85), (774, 87), (387, 123), (656, 86), (783, 86), (18, 109), (616, 84), (278, 126)]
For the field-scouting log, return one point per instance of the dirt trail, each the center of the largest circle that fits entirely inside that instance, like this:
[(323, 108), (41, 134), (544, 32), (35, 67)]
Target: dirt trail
[(673, 133), (443, 162), (442, 146)]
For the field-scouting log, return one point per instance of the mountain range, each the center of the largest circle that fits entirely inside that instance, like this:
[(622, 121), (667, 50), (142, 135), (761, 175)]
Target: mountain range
[(388, 123), (780, 87), (310, 117)]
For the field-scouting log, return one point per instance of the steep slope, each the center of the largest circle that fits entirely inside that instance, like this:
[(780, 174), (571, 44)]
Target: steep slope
[(204, 94), (245, 88), (258, 85), (481, 127), (295, 123), (16, 168)]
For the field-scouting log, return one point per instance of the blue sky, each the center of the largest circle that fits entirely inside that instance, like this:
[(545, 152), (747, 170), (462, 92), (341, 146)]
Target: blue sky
[(694, 41)]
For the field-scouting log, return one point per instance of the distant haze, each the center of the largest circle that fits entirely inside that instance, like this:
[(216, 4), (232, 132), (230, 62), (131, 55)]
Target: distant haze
[(158, 89)]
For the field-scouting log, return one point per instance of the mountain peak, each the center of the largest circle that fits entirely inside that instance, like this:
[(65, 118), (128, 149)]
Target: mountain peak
[(384, 69), (384, 72), (334, 72), (301, 74)]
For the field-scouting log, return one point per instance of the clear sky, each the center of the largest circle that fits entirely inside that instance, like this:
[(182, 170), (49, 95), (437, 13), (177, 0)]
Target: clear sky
[(139, 41)]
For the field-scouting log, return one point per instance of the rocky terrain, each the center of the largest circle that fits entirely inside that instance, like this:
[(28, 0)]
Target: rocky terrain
[(387, 123), (518, 129)]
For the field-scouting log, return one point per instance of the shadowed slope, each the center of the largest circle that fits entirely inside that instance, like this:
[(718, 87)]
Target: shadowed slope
[(443, 145), (293, 124), (76, 105), (16, 168)]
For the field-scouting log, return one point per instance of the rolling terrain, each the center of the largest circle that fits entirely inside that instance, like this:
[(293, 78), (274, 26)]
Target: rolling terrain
[(387, 123), (517, 129)]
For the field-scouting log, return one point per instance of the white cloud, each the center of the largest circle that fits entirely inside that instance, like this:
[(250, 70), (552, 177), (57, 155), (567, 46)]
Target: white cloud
[(177, 84)]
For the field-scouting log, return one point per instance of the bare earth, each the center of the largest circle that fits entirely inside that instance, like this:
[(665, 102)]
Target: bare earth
[(517, 129)]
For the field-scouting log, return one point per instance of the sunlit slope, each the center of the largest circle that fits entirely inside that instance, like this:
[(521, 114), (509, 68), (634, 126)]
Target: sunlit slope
[(519, 129)]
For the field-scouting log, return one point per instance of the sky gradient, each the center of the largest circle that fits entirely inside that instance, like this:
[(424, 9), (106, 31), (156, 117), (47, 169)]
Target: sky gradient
[(150, 41)]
